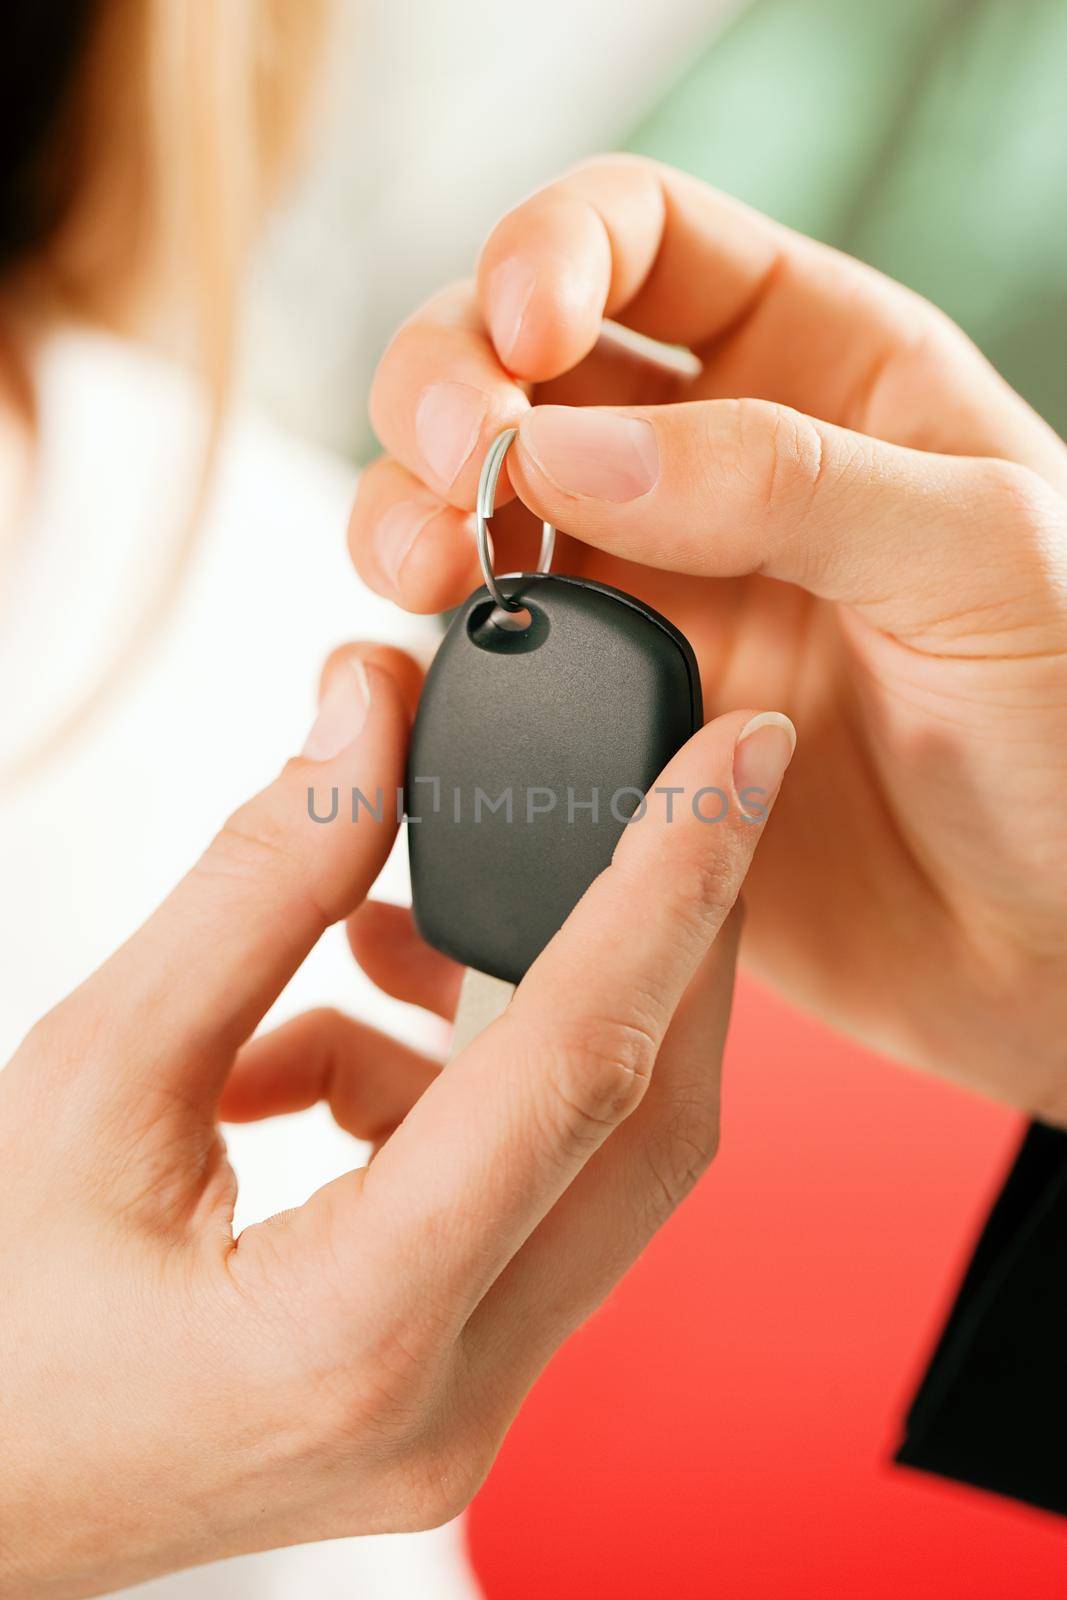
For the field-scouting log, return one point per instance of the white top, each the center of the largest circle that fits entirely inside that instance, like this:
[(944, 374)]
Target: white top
[(225, 693)]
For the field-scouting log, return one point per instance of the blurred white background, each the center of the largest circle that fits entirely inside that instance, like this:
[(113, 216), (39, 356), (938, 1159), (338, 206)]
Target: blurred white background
[(437, 116)]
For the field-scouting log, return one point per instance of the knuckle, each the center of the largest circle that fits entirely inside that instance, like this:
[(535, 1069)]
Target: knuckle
[(778, 453), (615, 176), (1029, 504), (1024, 520), (915, 340), (703, 889), (71, 1045), (712, 886), (600, 1068)]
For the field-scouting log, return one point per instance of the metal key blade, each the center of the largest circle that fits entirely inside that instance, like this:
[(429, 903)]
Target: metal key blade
[(481, 1001)]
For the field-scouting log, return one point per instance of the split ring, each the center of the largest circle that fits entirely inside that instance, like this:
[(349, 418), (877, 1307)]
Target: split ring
[(487, 483)]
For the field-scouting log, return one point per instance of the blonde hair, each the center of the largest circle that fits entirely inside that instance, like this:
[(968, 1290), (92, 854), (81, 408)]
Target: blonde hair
[(174, 133)]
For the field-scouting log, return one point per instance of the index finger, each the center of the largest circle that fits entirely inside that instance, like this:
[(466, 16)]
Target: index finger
[(496, 1140), (772, 314)]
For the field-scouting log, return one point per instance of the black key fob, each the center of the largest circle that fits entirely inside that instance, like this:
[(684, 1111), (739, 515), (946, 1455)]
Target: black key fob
[(531, 751)]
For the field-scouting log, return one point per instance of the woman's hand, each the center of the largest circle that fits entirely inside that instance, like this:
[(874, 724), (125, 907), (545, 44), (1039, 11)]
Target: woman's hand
[(170, 1394), (850, 514)]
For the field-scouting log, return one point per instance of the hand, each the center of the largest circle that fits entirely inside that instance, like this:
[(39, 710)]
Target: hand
[(874, 536), (171, 1394)]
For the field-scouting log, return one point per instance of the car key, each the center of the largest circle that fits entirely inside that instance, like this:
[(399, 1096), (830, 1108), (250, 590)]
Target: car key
[(552, 705)]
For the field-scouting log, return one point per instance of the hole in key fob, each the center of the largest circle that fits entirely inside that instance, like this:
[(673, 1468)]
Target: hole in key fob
[(533, 744)]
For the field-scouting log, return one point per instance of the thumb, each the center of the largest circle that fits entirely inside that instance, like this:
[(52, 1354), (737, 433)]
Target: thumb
[(724, 488), (175, 1002)]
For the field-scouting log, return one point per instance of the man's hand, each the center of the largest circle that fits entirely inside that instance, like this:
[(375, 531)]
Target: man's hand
[(850, 514)]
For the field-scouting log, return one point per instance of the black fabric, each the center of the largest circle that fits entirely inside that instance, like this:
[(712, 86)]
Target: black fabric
[(992, 1408)]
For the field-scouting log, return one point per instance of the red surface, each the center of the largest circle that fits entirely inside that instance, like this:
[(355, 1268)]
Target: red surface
[(721, 1431)]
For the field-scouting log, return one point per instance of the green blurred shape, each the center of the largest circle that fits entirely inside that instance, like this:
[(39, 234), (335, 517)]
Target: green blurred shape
[(928, 137)]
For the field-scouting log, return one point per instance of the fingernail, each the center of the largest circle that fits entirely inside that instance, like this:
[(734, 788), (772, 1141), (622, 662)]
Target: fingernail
[(448, 420), (395, 535), (599, 455), (510, 289), (342, 713), (763, 750)]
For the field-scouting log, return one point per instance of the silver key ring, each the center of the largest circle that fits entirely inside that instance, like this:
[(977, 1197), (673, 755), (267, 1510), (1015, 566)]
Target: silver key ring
[(487, 483)]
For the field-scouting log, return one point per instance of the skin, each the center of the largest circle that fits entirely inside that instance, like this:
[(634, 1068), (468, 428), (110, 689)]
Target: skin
[(852, 517), (172, 1394)]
